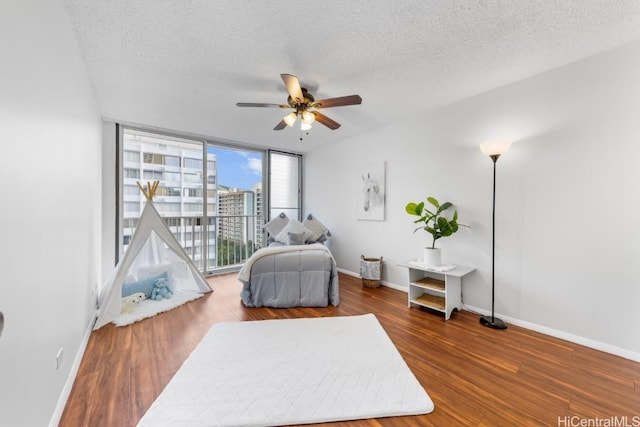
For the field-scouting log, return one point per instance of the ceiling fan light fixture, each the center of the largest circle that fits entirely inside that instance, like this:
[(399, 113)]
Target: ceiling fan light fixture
[(308, 117), (305, 126), (305, 105), (290, 118)]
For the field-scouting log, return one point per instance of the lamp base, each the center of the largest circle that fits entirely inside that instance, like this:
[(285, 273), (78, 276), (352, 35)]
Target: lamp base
[(492, 322)]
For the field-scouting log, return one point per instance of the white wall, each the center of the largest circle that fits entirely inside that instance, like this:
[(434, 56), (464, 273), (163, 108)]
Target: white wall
[(50, 133), (568, 194)]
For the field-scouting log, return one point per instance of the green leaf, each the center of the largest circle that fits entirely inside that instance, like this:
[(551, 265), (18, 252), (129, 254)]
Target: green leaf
[(433, 201), (414, 208), (444, 227), (445, 206)]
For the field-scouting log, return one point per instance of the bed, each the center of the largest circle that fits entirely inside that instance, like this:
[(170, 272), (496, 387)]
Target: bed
[(297, 269)]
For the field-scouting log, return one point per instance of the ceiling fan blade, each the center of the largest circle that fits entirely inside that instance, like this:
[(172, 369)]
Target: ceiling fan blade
[(280, 125), (338, 102), (330, 123), (261, 104), (293, 87)]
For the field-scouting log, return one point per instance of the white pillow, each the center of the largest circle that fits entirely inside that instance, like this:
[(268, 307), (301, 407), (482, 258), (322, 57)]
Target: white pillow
[(293, 226), (275, 226), (317, 228)]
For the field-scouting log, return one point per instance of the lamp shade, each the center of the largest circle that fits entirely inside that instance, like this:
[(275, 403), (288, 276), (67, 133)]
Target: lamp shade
[(290, 118), (308, 117), (305, 126), (495, 148)]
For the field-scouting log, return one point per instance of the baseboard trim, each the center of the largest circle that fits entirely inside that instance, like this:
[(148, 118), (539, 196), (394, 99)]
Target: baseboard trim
[(587, 342), (596, 345), (383, 282), (66, 390)]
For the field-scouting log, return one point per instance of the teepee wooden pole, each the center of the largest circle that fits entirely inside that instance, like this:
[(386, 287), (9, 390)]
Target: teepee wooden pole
[(151, 189), (155, 187), (142, 189)]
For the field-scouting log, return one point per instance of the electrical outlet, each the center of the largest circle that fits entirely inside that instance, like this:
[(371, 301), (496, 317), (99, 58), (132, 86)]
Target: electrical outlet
[(59, 358)]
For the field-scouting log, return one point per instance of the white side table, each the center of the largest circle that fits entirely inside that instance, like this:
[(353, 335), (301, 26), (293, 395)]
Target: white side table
[(437, 290)]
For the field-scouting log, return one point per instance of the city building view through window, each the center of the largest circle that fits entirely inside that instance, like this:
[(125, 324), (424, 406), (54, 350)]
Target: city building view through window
[(210, 196)]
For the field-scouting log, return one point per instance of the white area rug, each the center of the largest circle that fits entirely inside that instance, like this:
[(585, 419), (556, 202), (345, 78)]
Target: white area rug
[(293, 371), (149, 308)]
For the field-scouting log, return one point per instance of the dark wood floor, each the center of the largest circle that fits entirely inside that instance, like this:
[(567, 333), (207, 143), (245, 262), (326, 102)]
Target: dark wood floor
[(474, 375)]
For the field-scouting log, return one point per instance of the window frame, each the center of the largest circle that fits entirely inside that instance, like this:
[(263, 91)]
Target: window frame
[(269, 183), (121, 127)]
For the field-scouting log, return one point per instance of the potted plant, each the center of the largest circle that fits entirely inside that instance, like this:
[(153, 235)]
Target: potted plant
[(435, 223)]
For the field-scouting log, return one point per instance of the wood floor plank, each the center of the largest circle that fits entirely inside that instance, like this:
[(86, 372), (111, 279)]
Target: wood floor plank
[(476, 376)]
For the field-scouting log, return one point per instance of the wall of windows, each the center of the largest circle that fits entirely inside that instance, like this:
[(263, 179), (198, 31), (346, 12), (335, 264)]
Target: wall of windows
[(217, 220)]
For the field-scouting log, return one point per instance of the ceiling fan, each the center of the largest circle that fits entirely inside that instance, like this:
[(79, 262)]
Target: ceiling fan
[(305, 106)]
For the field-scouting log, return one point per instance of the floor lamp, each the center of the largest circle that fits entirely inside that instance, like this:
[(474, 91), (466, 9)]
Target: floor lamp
[(494, 150)]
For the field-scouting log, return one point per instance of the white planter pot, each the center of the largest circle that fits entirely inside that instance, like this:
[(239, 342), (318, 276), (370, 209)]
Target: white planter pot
[(432, 257)]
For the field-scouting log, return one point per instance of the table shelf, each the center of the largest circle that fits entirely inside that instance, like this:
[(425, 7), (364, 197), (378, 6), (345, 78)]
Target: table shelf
[(430, 283), (431, 301), (435, 289)]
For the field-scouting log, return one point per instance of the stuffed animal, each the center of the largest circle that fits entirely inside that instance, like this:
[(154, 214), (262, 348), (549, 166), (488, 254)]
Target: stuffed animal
[(161, 290), (130, 302)]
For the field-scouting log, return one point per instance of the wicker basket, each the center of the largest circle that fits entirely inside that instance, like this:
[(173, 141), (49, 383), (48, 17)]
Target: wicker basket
[(371, 271)]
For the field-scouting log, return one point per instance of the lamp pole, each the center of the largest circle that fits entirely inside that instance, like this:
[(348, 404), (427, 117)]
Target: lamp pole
[(494, 150)]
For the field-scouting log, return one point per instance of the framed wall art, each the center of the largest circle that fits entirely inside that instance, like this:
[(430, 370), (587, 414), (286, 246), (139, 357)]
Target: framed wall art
[(370, 197)]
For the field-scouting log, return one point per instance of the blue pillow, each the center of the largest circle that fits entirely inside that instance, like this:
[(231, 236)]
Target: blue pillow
[(145, 286)]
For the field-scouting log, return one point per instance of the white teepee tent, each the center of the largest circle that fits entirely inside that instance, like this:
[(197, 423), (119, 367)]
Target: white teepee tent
[(152, 250)]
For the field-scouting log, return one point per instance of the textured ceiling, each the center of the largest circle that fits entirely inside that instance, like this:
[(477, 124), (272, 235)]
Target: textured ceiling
[(183, 65)]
